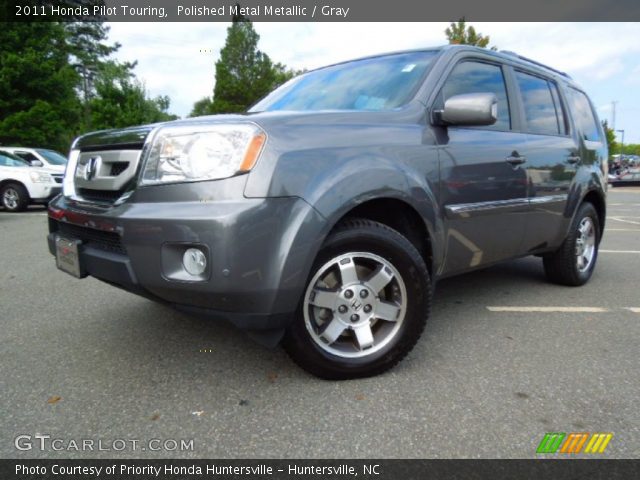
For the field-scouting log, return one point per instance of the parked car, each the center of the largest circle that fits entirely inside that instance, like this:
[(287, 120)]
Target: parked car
[(22, 184), (625, 170), (325, 215), (40, 157)]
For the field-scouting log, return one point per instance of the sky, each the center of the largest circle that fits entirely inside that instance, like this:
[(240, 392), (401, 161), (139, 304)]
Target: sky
[(177, 59)]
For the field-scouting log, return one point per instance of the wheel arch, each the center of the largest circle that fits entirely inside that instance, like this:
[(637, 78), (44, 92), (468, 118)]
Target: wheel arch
[(7, 181), (596, 198), (398, 214)]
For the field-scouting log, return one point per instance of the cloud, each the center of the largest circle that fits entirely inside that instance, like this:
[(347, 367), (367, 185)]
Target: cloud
[(171, 63)]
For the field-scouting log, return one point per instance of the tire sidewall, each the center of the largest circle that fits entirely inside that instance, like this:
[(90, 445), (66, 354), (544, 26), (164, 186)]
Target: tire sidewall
[(22, 201), (586, 210), (391, 246)]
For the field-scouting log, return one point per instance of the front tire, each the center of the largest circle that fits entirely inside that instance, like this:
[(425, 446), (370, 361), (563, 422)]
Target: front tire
[(365, 306), (573, 263), (15, 197)]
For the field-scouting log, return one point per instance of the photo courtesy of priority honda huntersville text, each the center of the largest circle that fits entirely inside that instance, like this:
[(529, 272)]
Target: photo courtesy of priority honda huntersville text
[(324, 216)]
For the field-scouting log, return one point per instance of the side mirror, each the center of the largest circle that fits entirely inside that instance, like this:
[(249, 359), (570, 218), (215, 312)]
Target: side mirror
[(469, 109), (36, 163)]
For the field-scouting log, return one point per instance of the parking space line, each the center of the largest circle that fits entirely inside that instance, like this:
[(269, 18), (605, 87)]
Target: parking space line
[(619, 251), (549, 309), (618, 219), (25, 214), (634, 309)]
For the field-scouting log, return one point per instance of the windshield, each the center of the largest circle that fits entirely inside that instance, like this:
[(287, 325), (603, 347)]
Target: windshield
[(10, 160), (53, 157), (380, 83)]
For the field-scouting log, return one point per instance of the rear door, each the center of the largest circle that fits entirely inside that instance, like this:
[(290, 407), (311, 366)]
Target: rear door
[(483, 187), (552, 158)]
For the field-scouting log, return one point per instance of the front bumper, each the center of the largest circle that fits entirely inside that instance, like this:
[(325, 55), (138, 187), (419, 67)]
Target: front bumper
[(259, 252)]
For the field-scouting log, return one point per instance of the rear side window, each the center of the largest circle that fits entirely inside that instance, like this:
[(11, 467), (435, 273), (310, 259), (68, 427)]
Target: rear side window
[(478, 77), (583, 116), (26, 155), (542, 109)]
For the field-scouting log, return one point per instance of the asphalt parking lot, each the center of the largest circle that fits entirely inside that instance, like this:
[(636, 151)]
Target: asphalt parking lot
[(83, 360)]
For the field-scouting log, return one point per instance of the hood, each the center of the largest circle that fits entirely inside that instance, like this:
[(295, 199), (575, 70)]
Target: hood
[(134, 137), (52, 168)]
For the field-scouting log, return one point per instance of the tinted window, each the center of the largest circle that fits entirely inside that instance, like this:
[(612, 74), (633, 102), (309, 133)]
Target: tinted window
[(26, 155), (562, 118), (540, 111), (380, 83), (476, 77), (53, 157), (583, 116), (7, 160)]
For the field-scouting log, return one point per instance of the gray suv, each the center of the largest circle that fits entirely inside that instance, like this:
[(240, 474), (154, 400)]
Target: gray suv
[(323, 216)]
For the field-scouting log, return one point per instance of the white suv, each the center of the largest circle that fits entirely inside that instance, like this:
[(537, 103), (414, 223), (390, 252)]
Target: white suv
[(40, 157), (22, 184)]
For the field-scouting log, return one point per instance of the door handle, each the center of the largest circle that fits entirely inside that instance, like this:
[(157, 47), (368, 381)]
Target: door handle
[(573, 159), (515, 160)]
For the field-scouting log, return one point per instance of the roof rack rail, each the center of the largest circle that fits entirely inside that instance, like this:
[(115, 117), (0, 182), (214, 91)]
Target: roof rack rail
[(526, 59)]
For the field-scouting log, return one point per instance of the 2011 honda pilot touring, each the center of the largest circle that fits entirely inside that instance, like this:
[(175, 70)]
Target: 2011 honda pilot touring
[(324, 215)]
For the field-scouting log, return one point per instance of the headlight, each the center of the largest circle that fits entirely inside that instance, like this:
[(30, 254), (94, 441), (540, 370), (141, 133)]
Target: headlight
[(202, 152), (39, 177)]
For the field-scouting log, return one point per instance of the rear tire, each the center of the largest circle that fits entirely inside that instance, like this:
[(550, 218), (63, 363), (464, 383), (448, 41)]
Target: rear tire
[(573, 263), (15, 197), (365, 306)]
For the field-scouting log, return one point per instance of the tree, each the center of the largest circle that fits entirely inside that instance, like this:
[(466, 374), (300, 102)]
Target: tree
[(204, 106), (111, 96), (459, 34), (611, 137), (244, 74), (87, 46), (121, 100), (38, 104), (58, 80)]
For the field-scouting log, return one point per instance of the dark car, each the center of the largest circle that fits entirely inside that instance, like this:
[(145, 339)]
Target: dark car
[(324, 216)]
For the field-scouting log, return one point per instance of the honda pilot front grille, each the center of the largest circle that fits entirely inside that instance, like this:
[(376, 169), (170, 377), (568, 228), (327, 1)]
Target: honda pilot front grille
[(107, 241), (100, 195), (105, 175), (118, 167)]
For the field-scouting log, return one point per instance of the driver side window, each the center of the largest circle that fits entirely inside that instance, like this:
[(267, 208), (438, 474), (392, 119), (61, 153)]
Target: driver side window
[(478, 77)]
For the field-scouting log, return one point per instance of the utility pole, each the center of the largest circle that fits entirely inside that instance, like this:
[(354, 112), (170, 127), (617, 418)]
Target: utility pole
[(621, 143), (613, 114)]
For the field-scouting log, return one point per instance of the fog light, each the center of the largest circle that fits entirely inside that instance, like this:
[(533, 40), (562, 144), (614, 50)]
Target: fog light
[(194, 261)]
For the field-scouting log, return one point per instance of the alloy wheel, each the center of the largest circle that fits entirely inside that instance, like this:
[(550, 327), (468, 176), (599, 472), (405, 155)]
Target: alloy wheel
[(355, 304)]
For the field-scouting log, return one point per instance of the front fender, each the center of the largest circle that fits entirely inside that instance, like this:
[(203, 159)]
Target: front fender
[(334, 186)]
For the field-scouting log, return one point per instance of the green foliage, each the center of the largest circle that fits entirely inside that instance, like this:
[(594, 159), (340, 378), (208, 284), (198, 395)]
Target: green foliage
[(631, 149), (38, 104), (121, 100), (58, 80), (459, 34), (611, 138), (244, 74), (87, 52), (204, 106)]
